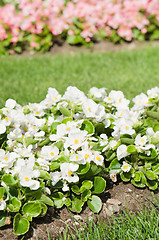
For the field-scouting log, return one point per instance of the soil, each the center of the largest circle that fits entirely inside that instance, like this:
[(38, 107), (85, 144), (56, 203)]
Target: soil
[(55, 221)]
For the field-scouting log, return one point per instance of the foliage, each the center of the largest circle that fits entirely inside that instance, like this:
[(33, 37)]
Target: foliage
[(59, 151)]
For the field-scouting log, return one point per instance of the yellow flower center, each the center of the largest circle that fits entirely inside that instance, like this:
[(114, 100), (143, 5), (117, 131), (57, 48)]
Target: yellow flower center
[(37, 113), (98, 158), (125, 167), (77, 157), (34, 127), (76, 141), (120, 100), (6, 118), (51, 153), (89, 109), (121, 114), (71, 153), (26, 179), (55, 98), (68, 128), (1, 199), (126, 127), (148, 103), (6, 158), (86, 156), (142, 140), (139, 102), (69, 173), (109, 99), (22, 135), (25, 129)]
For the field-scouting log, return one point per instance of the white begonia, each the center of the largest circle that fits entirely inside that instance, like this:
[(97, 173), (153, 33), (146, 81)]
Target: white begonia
[(75, 157), (52, 98), (49, 152), (153, 92), (55, 177), (122, 152), (98, 93), (62, 104), (141, 101), (140, 140), (75, 139), (125, 167), (65, 187), (73, 94), (25, 177), (90, 108), (10, 103), (2, 204), (121, 127), (104, 139), (86, 155), (7, 160), (68, 172), (37, 109), (2, 128), (43, 163), (98, 158)]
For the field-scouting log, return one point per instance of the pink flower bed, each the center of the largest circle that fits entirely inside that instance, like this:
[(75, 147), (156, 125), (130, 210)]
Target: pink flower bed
[(39, 22)]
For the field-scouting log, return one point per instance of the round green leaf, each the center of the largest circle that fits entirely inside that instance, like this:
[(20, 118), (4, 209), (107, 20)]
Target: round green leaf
[(14, 205), (99, 185), (9, 179), (20, 225), (32, 209), (83, 169), (95, 204), (88, 126)]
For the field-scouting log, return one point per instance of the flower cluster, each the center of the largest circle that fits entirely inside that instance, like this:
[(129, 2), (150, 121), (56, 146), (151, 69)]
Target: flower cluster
[(56, 152), (40, 22)]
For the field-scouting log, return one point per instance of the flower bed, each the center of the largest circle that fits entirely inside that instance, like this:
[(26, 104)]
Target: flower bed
[(38, 23), (59, 151)]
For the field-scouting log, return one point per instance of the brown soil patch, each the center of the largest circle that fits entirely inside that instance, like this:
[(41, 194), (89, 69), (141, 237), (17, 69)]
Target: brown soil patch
[(56, 221)]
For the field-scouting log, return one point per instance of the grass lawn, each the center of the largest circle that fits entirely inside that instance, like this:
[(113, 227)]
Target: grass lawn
[(26, 79)]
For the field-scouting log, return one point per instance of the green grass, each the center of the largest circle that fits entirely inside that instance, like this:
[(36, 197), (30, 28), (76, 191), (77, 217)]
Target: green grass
[(128, 226), (26, 79)]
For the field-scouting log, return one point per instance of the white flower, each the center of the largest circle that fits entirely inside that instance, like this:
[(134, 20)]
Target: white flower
[(73, 94), (65, 188), (49, 152), (98, 93), (98, 158), (153, 92), (10, 103), (140, 141), (55, 177), (52, 98), (141, 101), (2, 128), (68, 172), (104, 139), (2, 204), (75, 139), (122, 151), (125, 167), (25, 177)]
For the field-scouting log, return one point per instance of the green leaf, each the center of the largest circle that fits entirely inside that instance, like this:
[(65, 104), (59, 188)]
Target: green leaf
[(138, 184), (45, 199), (44, 142), (44, 175), (58, 199), (131, 149), (30, 141), (87, 126), (150, 175), (65, 120), (137, 177), (83, 169), (155, 140), (156, 169), (9, 179), (127, 141), (2, 191), (86, 195), (95, 204), (54, 165), (32, 208), (152, 184), (59, 145), (65, 111), (126, 176), (77, 205), (76, 189), (14, 205), (43, 209), (73, 39), (67, 202), (99, 185), (53, 127), (86, 184), (20, 225), (99, 128), (115, 165), (93, 171), (3, 217), (152, 114)]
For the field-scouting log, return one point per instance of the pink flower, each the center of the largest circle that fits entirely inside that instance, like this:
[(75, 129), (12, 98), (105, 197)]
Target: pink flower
[(33, 44)]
